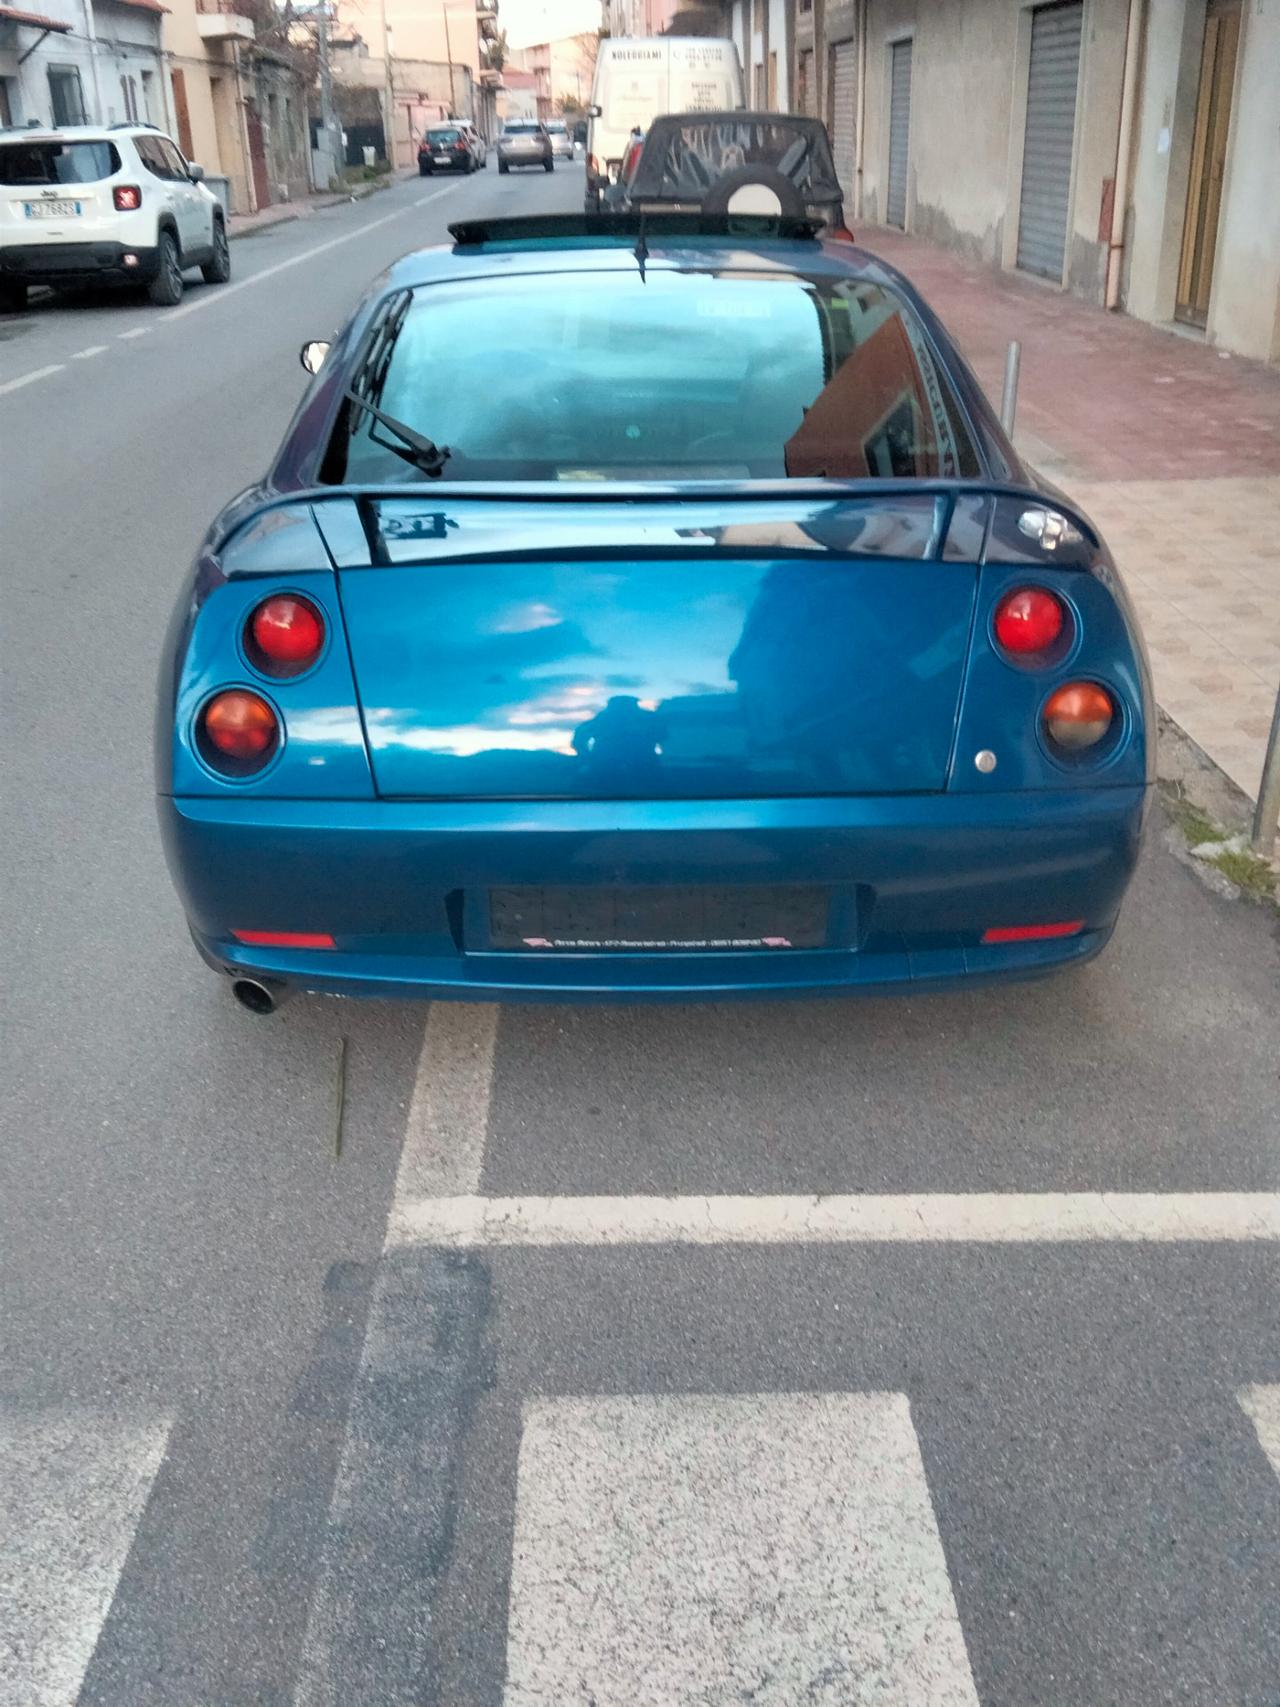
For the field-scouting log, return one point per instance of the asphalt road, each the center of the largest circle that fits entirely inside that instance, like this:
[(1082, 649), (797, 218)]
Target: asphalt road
[(274, 1433)]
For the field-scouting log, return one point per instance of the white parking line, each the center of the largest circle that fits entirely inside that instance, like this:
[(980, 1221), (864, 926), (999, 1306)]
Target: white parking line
[(30, 378), (772, 1548), (93, 350), (72, 1489), (449, 1114), (136, 332), (925, 1218), (225, 291), (1262, 1407)]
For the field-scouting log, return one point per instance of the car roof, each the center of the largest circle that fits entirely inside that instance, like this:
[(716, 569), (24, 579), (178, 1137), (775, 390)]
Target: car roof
[(78, 132)]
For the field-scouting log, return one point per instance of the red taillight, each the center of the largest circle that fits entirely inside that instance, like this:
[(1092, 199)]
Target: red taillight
[(127, 197), (240, 727), (459, 148), (593, 167), (842, 234), (284, 939), (1029, 622), (1078, 716), (285, 635), (1033, 933)]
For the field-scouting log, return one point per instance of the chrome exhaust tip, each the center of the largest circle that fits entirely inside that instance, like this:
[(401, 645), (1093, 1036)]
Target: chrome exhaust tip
[(259, 998)]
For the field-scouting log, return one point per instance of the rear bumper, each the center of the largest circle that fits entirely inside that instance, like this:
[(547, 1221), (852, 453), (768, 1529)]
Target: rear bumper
[(77, 263), (402, 887), (428, 166)]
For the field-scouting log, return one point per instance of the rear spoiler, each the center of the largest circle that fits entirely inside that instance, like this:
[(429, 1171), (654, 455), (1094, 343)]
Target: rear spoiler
[(350, 527)]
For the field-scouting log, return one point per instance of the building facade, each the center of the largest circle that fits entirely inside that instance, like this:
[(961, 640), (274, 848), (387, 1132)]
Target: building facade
[(84, 62), (1126, 150)]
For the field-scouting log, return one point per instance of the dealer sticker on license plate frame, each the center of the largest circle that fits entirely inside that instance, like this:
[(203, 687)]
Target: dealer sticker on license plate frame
[(679, 918), (60, 209)]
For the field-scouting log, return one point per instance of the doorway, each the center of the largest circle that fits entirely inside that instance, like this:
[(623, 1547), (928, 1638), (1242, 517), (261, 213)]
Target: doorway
[(1208, 160)]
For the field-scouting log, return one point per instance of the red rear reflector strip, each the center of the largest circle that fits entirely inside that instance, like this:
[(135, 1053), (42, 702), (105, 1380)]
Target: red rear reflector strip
[(1032, 933), (284, 939)]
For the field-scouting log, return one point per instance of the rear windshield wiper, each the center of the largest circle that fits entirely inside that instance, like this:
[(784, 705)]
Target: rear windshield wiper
[(425, 455)]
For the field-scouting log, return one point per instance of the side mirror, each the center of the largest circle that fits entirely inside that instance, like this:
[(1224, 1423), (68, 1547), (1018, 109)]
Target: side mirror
[(312, 354), (195, 173), (594, 112)]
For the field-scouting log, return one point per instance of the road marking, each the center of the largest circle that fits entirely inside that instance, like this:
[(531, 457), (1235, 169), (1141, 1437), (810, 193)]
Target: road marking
[(72, 1489), (30, 378), (225, 291), (448, 1120), (137, 332), (1262, 1407), (981, 1217), (770, 1548), (93, 350)]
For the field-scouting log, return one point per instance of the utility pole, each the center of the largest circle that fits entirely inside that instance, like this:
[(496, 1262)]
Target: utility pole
[(388, 93), (328, 120), (448, 53)]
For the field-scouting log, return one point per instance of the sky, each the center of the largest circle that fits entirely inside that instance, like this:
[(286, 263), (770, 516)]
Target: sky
[(529, 21)]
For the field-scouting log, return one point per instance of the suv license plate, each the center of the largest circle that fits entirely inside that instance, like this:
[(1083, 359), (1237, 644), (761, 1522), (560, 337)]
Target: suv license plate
[(53, 210)]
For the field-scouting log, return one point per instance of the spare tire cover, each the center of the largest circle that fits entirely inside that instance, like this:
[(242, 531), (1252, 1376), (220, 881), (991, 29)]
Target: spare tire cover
[(755, 189)]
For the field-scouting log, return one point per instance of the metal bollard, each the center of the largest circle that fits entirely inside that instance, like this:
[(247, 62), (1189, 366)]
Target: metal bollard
[(1264, 818), (1009, 401)]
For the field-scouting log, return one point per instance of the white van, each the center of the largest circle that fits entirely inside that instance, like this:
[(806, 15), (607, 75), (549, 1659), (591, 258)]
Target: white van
[(638, 77)]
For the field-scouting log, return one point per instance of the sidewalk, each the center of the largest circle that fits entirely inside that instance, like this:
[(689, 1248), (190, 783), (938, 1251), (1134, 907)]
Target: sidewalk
[(279, 213), (1173, 449)]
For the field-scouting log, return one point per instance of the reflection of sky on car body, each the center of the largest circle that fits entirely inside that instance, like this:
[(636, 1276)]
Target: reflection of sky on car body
[(547, 661)]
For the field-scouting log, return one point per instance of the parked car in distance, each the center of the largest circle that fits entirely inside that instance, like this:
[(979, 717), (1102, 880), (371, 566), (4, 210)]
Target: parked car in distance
[(561, 141), (479, 145), (92, 205), (448, 147), (525, 142), (734, 162), (636, 78), (648, 606)]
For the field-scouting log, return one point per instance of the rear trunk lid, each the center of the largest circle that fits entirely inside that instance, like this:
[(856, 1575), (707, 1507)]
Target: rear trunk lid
[(680, 650)]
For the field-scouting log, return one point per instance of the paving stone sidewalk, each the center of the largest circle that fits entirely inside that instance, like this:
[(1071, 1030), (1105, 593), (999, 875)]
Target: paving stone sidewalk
[(1174, 449)]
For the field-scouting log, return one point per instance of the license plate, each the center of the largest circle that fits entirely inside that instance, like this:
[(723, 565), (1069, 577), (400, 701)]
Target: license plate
[(53, 210), (441, 159), (689, 918)]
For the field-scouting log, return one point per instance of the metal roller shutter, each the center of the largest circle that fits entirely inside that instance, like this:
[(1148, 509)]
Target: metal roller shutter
[(899, 132), (1051, 126), (844, 75)]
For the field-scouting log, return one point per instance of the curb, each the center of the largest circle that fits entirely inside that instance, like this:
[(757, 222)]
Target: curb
[(290, 212)]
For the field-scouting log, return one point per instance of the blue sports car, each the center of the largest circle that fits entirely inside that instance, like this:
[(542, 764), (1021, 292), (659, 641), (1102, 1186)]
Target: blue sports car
[(648, 607)]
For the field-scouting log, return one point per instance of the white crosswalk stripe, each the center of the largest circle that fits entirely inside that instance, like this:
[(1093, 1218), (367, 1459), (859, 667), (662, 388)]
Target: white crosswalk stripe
[(770, 1548), (1262, 1407), (72, 1489)]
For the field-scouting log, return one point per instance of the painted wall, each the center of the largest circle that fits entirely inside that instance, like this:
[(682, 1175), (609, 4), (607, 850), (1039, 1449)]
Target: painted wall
[(1244, 309), (418, 31), (779, 29), (968, 111), (887, 20)]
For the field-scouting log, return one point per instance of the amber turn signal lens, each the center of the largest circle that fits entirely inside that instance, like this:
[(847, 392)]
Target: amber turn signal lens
[(240, 726), (1078, 716)]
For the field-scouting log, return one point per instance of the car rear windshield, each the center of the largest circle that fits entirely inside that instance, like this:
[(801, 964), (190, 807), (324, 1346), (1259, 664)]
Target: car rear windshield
[(520, 129), (57, 162), (442, 136), (674, 375)]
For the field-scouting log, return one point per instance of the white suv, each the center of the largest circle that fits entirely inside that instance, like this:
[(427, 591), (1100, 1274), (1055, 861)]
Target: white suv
[(87, 205)]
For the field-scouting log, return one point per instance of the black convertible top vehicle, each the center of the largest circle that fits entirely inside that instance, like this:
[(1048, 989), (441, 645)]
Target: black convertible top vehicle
[(736, 162)]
